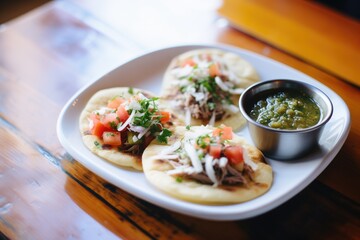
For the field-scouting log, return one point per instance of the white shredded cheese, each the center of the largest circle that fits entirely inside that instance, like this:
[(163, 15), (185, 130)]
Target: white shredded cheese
[(191, 152)]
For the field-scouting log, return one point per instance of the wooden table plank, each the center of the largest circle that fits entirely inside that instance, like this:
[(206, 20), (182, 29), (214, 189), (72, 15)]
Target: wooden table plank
[(308, 30), (34, 203), (318, 203)]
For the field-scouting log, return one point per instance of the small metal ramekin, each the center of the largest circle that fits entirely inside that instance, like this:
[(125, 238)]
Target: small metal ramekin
[(278, 143)]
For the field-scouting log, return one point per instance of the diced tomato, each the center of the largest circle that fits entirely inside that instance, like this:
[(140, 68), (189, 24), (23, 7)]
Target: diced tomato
[(234, 154), (227, 133), (122, 113), (188, 62), (112, 138), (94, 116), (215, 151), (214, 70), (165, 116), (203, 143), (98, 128), (110, 120), (115, 102), (224, 132)]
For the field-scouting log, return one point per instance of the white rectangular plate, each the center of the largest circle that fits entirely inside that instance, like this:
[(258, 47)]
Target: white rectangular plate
[(146, 72)]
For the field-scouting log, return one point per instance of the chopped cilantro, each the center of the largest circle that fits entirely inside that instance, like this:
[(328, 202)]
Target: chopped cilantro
[(179, 179), (113, 125), (188, 127), (97, 144), (163, 136), (209, 84), (183, 89), (211, 105), (203, 141), (131, 91)]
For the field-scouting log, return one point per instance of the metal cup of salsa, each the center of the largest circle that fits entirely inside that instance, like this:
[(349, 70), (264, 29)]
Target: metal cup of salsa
[(285, 117)]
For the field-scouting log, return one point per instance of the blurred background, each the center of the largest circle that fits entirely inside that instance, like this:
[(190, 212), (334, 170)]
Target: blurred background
[(10, 9)]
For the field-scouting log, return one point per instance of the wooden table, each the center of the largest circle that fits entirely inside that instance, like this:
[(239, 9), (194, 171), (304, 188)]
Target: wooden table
[(53, 51)]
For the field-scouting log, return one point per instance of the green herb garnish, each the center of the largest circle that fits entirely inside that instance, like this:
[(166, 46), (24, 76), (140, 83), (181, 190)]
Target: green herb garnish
[(131, 91), (163, 136), (113, 125), (97, 144)]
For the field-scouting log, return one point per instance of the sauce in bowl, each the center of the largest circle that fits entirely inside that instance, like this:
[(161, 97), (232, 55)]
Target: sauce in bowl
[(286, 109)]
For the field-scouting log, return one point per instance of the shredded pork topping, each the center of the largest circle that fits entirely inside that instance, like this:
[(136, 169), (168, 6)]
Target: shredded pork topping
[(191, 159), (205, 88)]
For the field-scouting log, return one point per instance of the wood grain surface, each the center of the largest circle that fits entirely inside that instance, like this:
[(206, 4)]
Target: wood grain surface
[(52, 52), (312, 32)]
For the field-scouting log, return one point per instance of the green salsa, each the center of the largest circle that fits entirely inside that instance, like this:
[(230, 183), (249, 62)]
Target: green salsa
[(285, 109)]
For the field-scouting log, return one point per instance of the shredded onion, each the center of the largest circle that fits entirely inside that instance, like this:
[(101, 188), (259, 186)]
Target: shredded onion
[(236, 90), (171, 148), (248, 160), (91, 123), (142, 97), (103, 110), (223, 161), (231, 108), (191, 152), (124, 125), (163, 156), (142, 133), (134, 105), (221, 84), (187, 116), (198, 96), (210, 169), (138, 129), (226, 88), (212, 119), (182, 169)]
